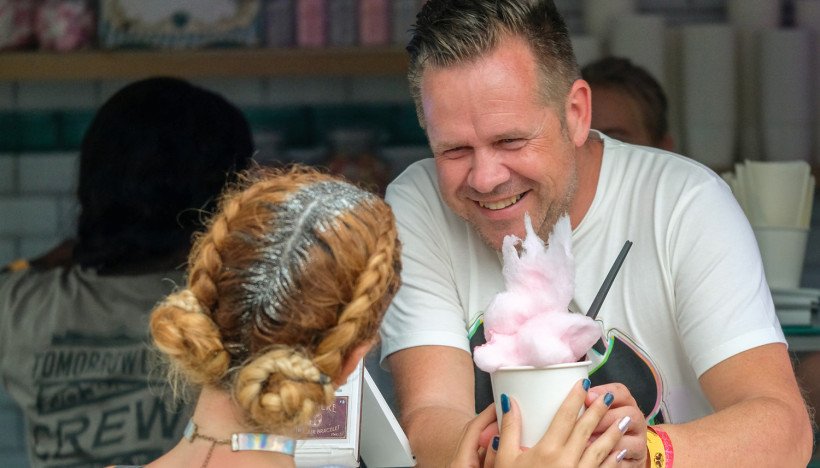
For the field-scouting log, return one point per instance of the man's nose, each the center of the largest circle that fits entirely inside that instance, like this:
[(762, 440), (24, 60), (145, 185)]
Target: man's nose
[(488, 171)]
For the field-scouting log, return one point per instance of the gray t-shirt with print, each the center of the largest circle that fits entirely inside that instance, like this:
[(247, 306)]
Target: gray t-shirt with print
[(75, 355)]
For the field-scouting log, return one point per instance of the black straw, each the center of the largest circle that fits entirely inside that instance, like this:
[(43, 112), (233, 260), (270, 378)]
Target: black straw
[(610, 278)]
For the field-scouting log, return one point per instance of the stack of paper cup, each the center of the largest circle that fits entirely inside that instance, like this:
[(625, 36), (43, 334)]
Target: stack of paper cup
[(807, 16), (642, 39), (587, 48), (600, 15), (777, 198), (748, 17), (673, 85), (786, 102), (539, 392), (709, 84)]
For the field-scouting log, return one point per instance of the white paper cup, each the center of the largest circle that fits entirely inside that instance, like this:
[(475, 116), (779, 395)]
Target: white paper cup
[(539, 392), (783, 251)]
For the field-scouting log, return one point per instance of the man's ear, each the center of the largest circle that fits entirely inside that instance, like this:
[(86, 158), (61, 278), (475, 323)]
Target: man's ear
[(579, 112), (351, 361)]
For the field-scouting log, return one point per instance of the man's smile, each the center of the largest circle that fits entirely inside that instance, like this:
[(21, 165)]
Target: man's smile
[(501, 204)]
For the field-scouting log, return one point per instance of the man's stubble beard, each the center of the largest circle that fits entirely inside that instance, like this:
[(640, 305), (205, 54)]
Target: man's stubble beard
[(556, 210), (547, 222)]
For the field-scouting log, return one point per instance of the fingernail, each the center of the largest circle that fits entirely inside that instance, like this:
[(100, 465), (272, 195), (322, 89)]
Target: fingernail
[(608, 398), (624, 423), (586, 384), (495, 443), (620, 456), (505, 403)]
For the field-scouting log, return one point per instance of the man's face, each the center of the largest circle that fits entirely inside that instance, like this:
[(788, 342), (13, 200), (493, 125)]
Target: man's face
[(619, 116), (500, 151)]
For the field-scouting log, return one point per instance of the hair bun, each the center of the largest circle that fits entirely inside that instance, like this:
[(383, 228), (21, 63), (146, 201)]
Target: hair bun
[(183, 331), (282, 388)]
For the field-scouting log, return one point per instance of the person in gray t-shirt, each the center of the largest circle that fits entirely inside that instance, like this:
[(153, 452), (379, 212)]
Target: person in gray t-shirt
[(74, 350)]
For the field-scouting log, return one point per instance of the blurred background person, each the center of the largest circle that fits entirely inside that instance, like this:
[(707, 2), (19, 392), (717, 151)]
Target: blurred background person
[(74, 322), (628, 103)]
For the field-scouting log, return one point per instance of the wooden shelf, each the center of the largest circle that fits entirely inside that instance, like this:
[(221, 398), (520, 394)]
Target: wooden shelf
[(354, 61)]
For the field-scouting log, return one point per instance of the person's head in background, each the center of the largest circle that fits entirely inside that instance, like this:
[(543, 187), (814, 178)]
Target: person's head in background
[(155, 157), (628, 104), (286, 291)]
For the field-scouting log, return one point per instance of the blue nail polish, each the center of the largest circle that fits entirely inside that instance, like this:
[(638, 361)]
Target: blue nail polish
[(586, 384), (608, 398), (505, 403), (495, 443)]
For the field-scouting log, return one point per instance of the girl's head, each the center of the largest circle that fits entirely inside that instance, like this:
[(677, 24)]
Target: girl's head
[(286, 288)]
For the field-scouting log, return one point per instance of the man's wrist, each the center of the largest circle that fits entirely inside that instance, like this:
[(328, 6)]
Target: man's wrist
[(660, 453)]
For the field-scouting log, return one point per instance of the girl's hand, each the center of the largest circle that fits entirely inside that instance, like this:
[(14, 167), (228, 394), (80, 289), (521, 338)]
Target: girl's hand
[(567, 440)]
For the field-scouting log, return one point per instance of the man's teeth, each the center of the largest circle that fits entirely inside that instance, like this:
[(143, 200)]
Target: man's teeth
[(501, 203)]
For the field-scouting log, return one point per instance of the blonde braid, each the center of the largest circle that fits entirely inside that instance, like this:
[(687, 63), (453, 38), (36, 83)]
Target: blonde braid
[(282, 388), (183, 325), (206, 260), (373, 290), (183, 331)]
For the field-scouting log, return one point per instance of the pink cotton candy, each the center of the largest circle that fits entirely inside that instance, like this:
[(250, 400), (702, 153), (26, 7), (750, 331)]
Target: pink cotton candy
[(529, 323)]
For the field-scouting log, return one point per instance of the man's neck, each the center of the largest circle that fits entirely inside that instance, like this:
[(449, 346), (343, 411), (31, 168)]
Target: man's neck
[(589, 159)]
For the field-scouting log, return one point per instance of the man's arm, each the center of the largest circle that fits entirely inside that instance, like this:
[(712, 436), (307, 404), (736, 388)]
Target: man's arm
[(760, 418), (434, 387)]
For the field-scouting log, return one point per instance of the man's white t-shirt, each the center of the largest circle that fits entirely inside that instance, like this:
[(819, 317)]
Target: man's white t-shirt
[(690, 294)]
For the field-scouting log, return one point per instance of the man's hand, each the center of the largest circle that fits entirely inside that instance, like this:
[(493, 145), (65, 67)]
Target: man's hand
[(623, 404)]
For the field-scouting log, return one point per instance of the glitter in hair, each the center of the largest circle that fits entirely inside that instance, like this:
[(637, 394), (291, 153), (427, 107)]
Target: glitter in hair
[(284, 248)]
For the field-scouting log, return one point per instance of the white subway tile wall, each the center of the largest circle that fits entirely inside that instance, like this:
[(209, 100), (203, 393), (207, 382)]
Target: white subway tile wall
[(8, 249), (107, 88), (240, 91), (8, 167), (48, 173), (47, 95), (7, 95), (37, 205), (28, 215), (284, 91), (380, 90), (32, 247)]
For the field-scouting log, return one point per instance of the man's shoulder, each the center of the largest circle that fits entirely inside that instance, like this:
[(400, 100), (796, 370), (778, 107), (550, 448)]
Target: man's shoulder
[(417, 177), (638, 162), (415, 192)]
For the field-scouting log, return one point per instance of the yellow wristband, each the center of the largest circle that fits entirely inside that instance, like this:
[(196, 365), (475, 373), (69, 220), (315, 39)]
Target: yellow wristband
[(657, 452)]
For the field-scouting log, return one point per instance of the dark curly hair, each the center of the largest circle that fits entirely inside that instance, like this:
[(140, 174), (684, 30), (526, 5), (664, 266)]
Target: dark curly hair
[(621, 74), (156, 155)]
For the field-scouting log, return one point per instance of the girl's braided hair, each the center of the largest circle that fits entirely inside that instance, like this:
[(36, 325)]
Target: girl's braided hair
[(295, 270)]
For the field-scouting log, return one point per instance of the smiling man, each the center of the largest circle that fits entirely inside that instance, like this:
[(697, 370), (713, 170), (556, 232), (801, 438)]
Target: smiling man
[(690, 342)]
